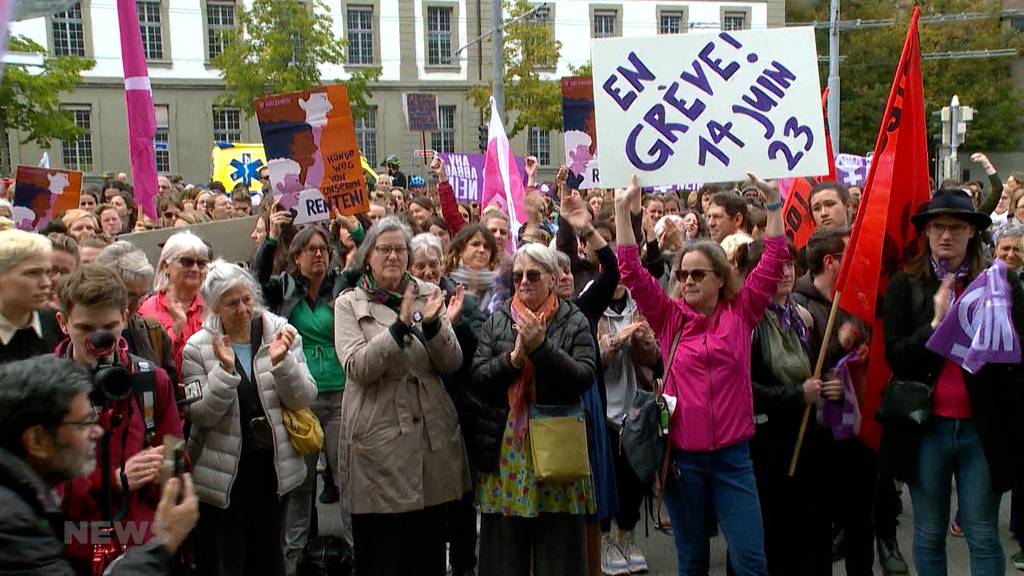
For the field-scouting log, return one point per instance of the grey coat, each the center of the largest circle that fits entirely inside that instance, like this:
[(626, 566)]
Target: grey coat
[(400, 448), (215, 444)]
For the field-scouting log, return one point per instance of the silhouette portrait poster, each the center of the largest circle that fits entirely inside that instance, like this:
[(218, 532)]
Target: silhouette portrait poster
[(310, 142), (43, 194)]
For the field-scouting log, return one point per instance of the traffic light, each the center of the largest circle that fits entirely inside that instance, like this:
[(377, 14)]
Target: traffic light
[(483, 137)]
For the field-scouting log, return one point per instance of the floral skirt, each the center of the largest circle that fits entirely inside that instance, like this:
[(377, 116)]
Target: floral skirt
[(515, 491)]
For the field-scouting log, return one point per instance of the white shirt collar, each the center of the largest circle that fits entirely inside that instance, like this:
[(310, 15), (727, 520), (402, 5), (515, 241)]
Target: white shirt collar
[(8, 329)]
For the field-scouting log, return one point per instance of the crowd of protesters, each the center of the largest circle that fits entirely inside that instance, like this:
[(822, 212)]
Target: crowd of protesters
[(428, 338)]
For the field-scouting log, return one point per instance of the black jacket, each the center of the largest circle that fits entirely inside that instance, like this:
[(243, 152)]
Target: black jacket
[(563, 368), (806, 294), (32, 530), (281, 293), (995, 391)]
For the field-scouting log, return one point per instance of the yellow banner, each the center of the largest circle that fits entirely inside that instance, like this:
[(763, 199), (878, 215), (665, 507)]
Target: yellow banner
[(238, 163)]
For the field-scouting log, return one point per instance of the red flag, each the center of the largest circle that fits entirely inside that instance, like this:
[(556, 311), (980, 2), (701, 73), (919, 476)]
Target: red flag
[(883, 235), (796, 212)]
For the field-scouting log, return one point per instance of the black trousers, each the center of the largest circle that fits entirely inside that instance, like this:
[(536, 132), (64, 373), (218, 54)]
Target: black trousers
[(853, 475), (557, 544), (630, 490), (462, 533), (406, 544), (887, 506), (245, 538)]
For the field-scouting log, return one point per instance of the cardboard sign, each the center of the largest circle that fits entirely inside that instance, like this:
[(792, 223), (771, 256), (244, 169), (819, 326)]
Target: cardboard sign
[(42, 194), (235, 164), (579, 130), (466, 174), (420, 111), (314, 162), (852, 170), (708, 108), (229, 239)]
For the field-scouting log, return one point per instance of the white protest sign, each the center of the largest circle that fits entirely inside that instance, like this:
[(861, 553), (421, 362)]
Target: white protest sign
[(708, 107)]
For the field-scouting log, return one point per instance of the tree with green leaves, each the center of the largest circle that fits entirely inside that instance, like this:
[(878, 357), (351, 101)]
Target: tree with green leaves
[(530, 48), (278, 47), (871, 54), (30, 98)]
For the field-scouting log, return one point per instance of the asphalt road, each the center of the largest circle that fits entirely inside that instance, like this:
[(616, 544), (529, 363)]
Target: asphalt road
[(661, 552)]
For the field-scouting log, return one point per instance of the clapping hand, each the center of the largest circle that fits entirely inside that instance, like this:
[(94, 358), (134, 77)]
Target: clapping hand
[(282, 343), (455, 303), (223, 352), (531, 329), (432, 309)]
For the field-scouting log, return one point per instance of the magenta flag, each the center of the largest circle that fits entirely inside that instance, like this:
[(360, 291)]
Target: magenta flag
[(138, 96), (503, 185)]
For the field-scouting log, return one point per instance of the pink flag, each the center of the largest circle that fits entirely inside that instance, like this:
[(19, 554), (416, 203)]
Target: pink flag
[(503, 186), (138, 96)]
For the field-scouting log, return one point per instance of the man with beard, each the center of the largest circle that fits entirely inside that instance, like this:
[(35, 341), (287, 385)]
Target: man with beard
[(48, 436)]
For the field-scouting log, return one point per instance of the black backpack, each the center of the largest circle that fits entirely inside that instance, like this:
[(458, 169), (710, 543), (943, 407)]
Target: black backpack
[(326, 556), (643, 445)]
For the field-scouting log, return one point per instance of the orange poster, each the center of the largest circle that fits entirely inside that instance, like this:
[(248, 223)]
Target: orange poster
[(43, 194), (312, 154)]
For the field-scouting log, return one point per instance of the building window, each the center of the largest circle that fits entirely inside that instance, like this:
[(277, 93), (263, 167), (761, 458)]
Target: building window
[(162, 140), (439, 36), (78, 152), (540, 145), (734, 21), (149, 25), (220, 19), (69, 32), (227, 125), (604, 23), (444, 139), (366, 135), (359, 21), (670, 23)]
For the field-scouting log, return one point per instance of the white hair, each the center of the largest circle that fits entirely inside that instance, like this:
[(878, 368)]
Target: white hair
[(177, 246), (129, 262), (426, 243), (541, 255), (221, 277)]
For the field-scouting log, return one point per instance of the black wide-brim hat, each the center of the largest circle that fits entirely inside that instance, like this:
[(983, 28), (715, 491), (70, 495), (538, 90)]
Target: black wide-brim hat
[(951, 202)]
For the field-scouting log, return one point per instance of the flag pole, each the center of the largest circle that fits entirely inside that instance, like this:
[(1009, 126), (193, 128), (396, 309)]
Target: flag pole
[(829, 329)]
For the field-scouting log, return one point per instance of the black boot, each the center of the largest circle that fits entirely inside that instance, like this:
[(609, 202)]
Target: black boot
[(890, 559)]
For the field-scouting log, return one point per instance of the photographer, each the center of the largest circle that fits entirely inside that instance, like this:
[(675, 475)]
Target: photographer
[(48, 436), (137, 411)]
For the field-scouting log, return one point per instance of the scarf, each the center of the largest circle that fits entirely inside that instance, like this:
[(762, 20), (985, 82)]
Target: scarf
[(522, 392), (790, 319), (478, 282), (842, 417), (381, 295), (940, 270)]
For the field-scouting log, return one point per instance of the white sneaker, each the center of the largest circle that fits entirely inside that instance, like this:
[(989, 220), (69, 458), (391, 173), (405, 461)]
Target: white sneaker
[(631, 552), (613, 563)]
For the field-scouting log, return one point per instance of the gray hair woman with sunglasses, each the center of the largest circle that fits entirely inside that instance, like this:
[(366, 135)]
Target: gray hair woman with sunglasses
[(176, 302), (304, 295)]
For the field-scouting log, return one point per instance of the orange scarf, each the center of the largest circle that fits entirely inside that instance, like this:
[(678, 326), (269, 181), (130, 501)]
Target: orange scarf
[(517, 393)]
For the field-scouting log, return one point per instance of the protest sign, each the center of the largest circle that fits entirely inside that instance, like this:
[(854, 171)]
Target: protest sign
[(42, 194), (852, 170), (229, 239), (708, 108), (466, 174), (314, 162), (235, 164), (420, 111), (580, 132)]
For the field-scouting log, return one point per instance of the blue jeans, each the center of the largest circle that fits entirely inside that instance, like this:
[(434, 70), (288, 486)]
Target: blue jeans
[(951, 448), (724, 479)]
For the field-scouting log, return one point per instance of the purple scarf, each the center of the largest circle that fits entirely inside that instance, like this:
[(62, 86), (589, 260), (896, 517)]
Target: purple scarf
[(842, 417)]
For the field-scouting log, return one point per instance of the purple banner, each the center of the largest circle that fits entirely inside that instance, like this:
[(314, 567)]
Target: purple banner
[(977, 329), (852, 170), (466, 174)]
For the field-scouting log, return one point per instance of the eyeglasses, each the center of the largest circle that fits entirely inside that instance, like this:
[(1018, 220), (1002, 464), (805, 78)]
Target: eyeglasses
[(169, 215), (85, 423), (389, 250), (955, 230), (313, 250), (531, 276), (698, 274), (187, 263)]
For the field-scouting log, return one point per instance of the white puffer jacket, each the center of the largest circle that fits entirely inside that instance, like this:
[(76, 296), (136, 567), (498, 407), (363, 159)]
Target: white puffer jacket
[(215, 443)]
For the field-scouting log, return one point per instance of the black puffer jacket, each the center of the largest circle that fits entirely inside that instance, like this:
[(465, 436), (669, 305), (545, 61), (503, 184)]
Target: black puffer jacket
[(32, 530), (281, 293), (995, 392), (563, 367)]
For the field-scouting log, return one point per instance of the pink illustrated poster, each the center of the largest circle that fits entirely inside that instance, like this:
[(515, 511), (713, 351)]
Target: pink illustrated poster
[(42, 194)]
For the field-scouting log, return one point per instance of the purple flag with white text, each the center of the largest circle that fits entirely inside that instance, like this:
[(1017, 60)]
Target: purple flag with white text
[(978, 330)]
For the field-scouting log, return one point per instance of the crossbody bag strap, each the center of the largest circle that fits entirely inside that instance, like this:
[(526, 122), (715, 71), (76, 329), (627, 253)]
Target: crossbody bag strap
[(665, 455)]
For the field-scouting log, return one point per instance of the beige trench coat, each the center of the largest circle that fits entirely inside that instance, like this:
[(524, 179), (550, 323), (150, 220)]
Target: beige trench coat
[(400, 448)]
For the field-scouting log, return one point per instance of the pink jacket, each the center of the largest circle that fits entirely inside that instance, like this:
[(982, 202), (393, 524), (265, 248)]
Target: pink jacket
[(156, 307), (710, 373)]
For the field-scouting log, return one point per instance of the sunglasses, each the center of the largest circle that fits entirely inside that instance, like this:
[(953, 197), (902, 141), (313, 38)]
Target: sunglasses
[(187, 263), (531, 276), (697, 274)]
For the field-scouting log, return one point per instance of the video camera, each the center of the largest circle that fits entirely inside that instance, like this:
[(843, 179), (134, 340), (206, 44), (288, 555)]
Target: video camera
[(111, 380)]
